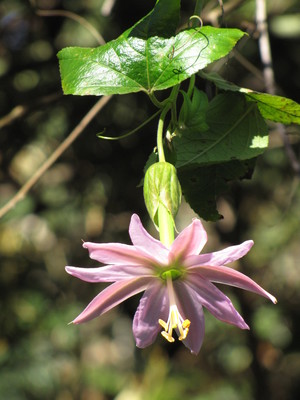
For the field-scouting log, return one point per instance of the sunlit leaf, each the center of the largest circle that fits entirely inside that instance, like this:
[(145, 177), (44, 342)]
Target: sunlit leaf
[(274, 108), (131, 64)]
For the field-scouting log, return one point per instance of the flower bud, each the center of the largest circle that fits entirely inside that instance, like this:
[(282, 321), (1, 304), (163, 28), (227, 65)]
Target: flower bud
[(162, 188)]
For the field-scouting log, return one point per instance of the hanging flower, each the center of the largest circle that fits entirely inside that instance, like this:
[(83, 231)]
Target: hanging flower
[(177, 281)]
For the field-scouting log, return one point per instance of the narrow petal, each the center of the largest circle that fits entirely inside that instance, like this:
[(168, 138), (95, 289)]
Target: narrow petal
[(117, 253), (190, 308), (229, 276), (153, 305), (189, 242), (222, 257), (111, 297), (109, 273), (145, 242), (215, 301)]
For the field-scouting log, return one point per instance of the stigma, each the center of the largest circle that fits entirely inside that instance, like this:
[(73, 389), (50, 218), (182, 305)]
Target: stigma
[(175, 321)]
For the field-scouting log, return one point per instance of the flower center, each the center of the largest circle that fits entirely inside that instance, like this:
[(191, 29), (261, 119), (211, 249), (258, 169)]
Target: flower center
[(175, 320), (173, 273)]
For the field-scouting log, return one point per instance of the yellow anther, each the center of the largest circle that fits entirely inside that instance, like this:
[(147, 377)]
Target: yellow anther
[(168, 337), (175, 321)]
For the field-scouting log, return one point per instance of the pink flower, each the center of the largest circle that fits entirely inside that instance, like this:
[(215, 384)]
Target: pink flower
[(178, 283)]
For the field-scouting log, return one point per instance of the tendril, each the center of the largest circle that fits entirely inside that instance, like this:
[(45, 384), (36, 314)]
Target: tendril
[(125, 135)]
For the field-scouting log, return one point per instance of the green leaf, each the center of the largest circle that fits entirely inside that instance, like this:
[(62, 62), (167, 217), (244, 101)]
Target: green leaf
[(274, 108), (236, 131), (201, 186), (130, 64), (193, 111), (161, 21)]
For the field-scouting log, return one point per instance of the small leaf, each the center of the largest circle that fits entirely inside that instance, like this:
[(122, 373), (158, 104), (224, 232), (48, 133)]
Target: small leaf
[(130, 64), (201, 186), (236, 132), (193, 111), (274, 108)]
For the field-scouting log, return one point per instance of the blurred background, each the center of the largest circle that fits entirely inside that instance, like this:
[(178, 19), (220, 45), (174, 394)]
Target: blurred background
[(91, 192)]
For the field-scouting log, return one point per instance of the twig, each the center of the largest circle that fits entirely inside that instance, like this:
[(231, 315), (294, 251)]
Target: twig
[(268, 72), (264, 46), (68, 14), (213, 15), (55, 155), (248, 65), (21, 110)]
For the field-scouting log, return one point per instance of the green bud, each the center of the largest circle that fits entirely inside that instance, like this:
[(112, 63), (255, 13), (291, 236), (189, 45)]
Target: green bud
[(162, 188)]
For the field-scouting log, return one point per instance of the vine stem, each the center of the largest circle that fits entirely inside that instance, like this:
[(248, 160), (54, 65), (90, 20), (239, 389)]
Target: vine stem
[(160, 129), (165, 221), (55, 155)]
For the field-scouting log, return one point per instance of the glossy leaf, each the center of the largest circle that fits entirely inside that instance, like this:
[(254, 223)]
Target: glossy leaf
[(131, 64)]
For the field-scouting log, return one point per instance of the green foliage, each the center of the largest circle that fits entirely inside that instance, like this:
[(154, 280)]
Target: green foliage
[(235, 130), (214, 145), (227, 131), (201, 186), (271, 107), (130, 64)]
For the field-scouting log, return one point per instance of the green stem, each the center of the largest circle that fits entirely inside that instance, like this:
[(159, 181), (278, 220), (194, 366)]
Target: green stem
[(165, 219), (191, 86), (166, 226), (157, 103), (160, 129), (198, 7)]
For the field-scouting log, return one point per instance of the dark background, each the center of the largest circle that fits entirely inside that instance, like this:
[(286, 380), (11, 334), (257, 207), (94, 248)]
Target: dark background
[(91, 192)]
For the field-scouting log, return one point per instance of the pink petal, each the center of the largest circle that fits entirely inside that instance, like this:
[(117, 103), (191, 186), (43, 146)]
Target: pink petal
[(189, 242), (229, 276), (110, 273), (190, 308), (221, 257), (215, 301), (145, 242), (153, 305), (117, 253), (111, 297)]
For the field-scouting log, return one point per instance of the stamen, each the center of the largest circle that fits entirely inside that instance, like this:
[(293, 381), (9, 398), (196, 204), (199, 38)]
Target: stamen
[(175, 320)]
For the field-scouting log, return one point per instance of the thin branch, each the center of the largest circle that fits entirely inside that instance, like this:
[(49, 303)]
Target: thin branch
[(21, 110), (248, 65), (268, 72), (68, 14), (55, 155), (213, 15), (264, 46)]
